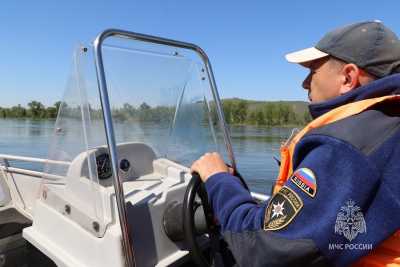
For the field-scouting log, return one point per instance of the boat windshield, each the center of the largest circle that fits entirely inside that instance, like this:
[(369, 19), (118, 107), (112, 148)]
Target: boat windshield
[(161, 104)]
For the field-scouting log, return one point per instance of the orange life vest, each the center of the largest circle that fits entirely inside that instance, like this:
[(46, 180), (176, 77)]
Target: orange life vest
[(388, 252)]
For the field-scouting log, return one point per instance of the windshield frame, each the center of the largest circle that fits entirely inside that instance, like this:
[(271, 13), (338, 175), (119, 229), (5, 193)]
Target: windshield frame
[(110, 135)]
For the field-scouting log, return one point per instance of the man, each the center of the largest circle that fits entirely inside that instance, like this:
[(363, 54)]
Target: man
[(337, 198)]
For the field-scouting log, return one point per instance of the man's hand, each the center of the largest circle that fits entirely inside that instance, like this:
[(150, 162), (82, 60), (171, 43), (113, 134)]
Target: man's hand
[(208, 165)]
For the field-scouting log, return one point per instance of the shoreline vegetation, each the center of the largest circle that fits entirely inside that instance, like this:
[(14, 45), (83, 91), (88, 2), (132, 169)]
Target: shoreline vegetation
[(237, 112), (265, 113), (34, 110)]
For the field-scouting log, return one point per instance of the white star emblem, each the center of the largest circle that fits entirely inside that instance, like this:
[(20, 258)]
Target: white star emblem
[(278, 209)]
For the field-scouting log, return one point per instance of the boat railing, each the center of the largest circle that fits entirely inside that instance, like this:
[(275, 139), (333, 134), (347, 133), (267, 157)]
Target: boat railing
[(6, 167)]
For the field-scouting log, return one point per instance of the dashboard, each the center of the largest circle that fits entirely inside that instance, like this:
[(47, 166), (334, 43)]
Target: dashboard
[(135, 160)]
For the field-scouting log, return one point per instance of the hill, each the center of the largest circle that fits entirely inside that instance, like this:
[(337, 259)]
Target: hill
[(268, 113), (297, 106)]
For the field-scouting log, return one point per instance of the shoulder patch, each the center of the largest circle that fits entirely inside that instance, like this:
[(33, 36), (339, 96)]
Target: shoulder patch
[(304, 179), (282, 209)]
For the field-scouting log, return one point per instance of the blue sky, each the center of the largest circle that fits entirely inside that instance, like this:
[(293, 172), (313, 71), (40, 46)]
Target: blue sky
[(245, 40)]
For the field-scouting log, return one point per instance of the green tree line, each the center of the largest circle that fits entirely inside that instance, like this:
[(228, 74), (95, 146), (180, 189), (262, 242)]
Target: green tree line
[(243, 112), (237, 112), (34, 110), (144, 113)]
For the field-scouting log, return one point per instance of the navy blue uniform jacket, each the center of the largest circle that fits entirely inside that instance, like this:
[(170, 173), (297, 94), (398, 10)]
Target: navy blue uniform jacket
[(356, 165)]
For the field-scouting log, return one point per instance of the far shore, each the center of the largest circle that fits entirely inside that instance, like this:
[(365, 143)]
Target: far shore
[(237, 112)]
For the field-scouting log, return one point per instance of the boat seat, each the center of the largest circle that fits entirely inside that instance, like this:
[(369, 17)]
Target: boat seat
[(12, 222), (16, 251)]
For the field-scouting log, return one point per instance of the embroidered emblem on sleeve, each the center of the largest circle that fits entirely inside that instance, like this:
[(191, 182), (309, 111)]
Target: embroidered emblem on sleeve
[(304, 179), (350, 221), (282, 209)]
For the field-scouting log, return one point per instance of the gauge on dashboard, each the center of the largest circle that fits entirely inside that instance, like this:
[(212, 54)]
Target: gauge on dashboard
[(103, 166), (124, 165)]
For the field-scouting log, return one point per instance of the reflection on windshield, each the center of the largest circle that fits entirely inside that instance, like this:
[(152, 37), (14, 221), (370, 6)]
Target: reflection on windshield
[(162, 99)]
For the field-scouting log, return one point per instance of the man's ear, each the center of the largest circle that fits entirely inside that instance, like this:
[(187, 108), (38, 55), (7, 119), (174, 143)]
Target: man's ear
[(350, 78)]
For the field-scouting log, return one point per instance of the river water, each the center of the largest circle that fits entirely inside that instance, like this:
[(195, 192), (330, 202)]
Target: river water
[(254, 147)]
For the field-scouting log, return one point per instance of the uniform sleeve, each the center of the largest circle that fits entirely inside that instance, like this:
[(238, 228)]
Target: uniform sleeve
[(302, 224), (233, 205)]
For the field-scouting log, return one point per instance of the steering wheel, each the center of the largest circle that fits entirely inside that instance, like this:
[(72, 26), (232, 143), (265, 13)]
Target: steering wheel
[(196, 187)]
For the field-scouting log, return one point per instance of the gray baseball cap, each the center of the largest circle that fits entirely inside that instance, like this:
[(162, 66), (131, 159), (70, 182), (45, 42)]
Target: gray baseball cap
[(370, 45)]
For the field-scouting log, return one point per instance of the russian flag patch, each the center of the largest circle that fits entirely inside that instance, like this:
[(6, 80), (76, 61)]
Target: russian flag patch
[(304, 179)]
